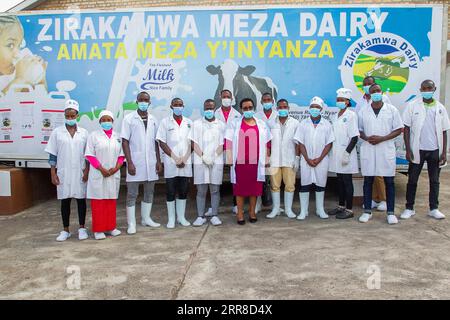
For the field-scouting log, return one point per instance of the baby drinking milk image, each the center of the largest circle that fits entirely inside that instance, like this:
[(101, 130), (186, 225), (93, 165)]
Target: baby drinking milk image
[(18, 66)]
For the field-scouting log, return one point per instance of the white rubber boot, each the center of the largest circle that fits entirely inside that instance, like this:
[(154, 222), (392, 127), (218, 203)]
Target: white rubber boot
[(131, 220), (258, 204), (275, 206), (181, 210), (304, 204), (171, 214), (320, 198), (146, 209), (288, 200)]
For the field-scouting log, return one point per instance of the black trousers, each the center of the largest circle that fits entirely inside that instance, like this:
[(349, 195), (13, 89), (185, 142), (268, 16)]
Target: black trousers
[(177, 185), (345, 190), (432, 159), (311, 187), (65, 211)]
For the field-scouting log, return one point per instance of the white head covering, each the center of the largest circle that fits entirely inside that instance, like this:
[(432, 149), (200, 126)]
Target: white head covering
[(72, 104), (318, 101), (106, 113), (344, 93)]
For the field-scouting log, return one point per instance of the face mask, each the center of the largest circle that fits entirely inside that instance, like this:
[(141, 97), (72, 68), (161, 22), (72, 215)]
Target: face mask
[(283, 113), (427, 95), (249, 114), (209, 114), (106, 125), (267, 105), (226, 102), (71, 122), (178, 111), (377, 96), (143, 106), (314, 112), (341, 105), (366, 89)]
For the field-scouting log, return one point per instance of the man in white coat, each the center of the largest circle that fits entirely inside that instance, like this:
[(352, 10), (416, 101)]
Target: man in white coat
[(426, 125), (69, 169), (143, 161), (207, 136), (379, 125), (227, 114), (284, 159), (173, 137), (315, 137), (379, 193)]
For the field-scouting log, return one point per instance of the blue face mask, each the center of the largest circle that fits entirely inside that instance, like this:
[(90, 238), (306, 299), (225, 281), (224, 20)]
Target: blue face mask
[(106, 125), (178, 111), (143, 106), (341, 105), (366, 89), (249, 114), (283, 113), (314, 112), (427, 94), (209, 114), (71, 122), (377, 96), (267, 105)]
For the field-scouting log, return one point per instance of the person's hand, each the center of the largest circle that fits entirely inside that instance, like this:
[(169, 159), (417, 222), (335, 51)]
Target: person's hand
[(317, 161), (30, 69), (131, 169), (85, 175), (409, 156), (443, 159), (207, 160), (311, 163), (105, 173), (267, 163), (159, 167), (345, 158), (55, 179), (296, 163), (374, 140), (180, 163)]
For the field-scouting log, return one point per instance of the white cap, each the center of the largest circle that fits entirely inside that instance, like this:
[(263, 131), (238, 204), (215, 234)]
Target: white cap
[(318, 101), (344, 93), (72, 104), (106, 113)]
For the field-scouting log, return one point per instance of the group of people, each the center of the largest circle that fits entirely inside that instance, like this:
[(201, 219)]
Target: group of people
[(255, 145)]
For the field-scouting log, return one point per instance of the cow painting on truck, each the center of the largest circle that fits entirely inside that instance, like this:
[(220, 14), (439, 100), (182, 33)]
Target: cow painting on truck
[(241, 83)]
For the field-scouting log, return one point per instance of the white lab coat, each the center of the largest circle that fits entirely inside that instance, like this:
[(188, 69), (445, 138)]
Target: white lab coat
[(106, 150), (345, 128), (234, 114), (232, 134), (314, 139), (177, 138), (283, 146), (142, 145), (209, 136), (379, 160), (70, 162), (414, 117), (262, 116)]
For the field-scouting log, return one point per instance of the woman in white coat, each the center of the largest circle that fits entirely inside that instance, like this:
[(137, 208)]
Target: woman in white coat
[(69, 169), (315, 137), (248, 143), (104, 153), (343, 157)]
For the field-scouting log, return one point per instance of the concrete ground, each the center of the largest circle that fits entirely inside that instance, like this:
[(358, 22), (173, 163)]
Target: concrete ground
[(272, 259)]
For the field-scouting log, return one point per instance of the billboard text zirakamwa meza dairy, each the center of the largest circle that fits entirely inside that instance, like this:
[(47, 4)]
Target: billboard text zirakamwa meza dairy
[(103, 59)]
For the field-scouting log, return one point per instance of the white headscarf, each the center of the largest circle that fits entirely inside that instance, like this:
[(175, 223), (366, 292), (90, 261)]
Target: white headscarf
[(318, 101), (344, 93), (72, 104), (106, 113)]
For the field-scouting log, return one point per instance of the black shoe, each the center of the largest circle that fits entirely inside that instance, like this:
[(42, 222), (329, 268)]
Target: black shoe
[(345, 214), (335, 211), (241, 222), (252, 220)]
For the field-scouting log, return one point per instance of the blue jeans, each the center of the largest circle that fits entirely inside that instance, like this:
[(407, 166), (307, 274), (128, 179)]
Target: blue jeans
[(390, 194)]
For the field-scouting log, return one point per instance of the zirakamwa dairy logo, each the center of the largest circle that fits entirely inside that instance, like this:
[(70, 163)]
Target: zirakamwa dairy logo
[(389, 58)]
